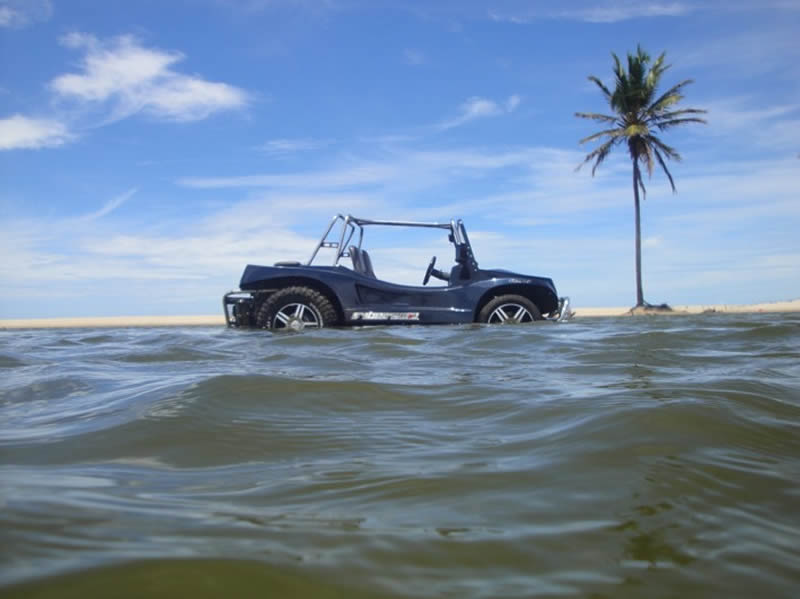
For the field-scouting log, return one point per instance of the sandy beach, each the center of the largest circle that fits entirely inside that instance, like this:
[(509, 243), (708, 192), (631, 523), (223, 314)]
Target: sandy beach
[(219, 320), (113, 321), (677, 310)]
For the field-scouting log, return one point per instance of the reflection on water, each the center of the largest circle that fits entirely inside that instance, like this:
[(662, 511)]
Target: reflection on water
[(655, 457), (196, 578)]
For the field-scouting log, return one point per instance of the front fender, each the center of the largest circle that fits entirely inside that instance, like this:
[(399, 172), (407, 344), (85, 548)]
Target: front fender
[(539, 290)]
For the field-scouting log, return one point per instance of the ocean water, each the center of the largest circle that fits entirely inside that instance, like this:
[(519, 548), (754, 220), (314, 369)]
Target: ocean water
[(618, 457)]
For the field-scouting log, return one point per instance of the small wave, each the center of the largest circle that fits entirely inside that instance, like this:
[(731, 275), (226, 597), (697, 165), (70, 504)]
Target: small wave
[(7, 361)]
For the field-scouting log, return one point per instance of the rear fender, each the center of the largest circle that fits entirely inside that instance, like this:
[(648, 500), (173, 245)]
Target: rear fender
[(268, 287)]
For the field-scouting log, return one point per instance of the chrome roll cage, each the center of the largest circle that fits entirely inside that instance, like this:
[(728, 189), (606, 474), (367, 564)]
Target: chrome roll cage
[(339, 237)]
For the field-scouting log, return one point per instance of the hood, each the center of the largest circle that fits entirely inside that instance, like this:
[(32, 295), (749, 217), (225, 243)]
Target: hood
[(500, 273)]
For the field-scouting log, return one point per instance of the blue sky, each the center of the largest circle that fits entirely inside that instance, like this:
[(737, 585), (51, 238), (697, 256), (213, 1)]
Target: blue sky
[(149, 150)]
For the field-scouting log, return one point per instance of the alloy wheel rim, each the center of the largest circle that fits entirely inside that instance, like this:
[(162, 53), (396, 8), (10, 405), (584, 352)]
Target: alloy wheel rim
[(510, 314), (296, 317)]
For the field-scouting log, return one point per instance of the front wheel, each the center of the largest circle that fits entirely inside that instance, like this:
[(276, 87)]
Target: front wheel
[(296, 309), (509, 309)]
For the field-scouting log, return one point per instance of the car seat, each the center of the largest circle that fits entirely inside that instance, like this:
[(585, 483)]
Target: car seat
[(367, 263), (355, 256), (362, 263)]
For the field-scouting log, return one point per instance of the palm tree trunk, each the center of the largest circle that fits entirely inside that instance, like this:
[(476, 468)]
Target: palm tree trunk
[(639, 292)]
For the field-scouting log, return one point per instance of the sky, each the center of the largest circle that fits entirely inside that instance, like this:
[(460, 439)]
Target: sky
[(149, 150)]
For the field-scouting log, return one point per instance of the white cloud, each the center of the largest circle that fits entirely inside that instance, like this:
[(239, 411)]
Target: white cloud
[(21, 132), (125, 78), (109, 206), (769, 127), (20, 13), (472, 109), (476, 108), (354, 176), (8, 16), (277, 147), (122, 78), (512, 103), (596, 11), (614, 12), (398, 170), (759, 50), (308, 7), (93, 251)]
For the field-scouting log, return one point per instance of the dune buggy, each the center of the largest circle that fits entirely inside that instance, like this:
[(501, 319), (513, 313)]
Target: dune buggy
[(295, 296)]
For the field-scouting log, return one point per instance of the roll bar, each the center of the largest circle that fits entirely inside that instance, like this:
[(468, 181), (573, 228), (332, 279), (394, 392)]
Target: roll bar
[(350, 224)]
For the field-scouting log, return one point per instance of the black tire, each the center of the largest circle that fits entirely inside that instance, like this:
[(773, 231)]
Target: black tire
[(509, 309), (295, 309)]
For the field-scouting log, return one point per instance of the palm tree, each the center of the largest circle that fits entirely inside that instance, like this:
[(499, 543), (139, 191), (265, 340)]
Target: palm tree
[(637, 114)]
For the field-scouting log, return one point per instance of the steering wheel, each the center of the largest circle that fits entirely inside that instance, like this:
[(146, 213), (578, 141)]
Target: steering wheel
[(429, 271)]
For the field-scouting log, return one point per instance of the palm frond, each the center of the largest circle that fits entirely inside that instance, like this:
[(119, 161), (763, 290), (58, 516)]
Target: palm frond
[(598, 155), (619, 99), (669, 151), (601, 154), (606, 133), (663, 126), (597, 117), (648, 157), (666, 99), (652, 79), (663, 103), (666, 170), (618, 70), (602, 86), (637, 63), (659, 67), (674, 114), (598, 150), (637, 179)]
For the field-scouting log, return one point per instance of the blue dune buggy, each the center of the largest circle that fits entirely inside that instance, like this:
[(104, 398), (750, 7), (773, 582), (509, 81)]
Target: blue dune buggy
[(295, 296)]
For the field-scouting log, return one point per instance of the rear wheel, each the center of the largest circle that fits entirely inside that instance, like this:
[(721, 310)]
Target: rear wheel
[(509, 309), (296, 309)]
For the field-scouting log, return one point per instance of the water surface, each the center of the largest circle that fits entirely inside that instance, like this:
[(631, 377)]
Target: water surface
[(617, 457)]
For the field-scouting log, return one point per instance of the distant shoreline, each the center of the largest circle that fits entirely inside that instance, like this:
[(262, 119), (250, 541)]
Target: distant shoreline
[(219, 320), (677, 310)]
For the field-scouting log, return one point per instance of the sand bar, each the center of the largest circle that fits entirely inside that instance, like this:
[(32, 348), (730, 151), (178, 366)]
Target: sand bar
[(113, 322), (219, 320), (785, 306)]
